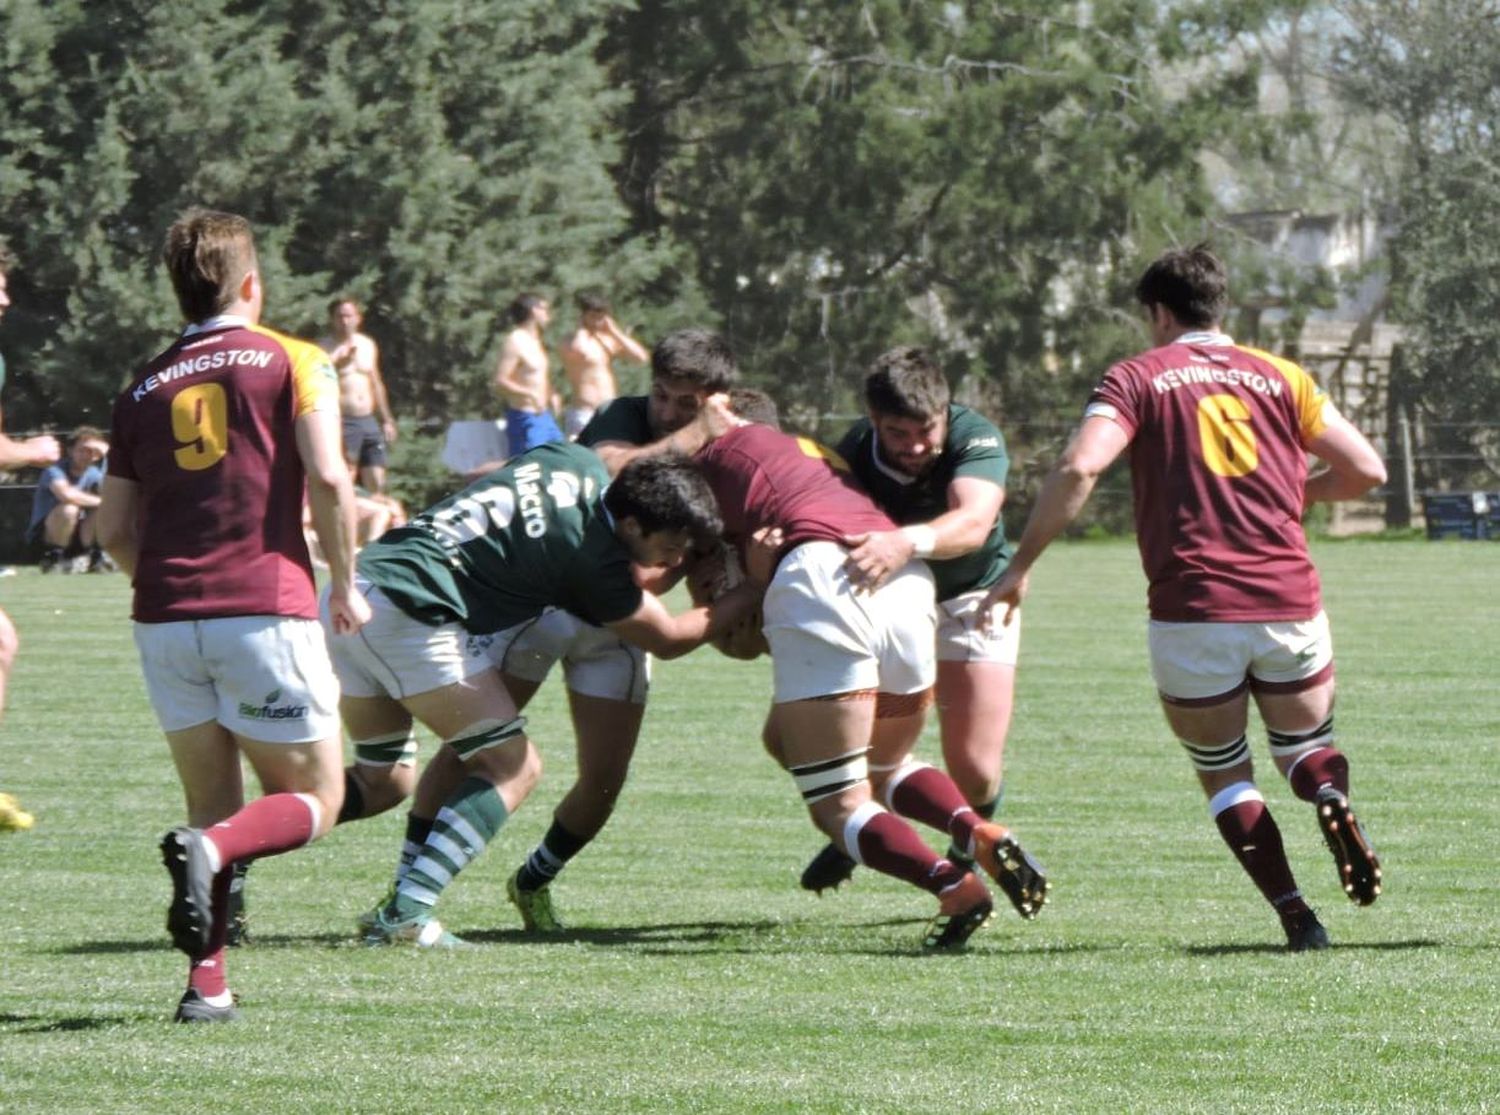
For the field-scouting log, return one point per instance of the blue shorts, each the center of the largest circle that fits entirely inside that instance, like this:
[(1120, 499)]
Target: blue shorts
[(524, 430)]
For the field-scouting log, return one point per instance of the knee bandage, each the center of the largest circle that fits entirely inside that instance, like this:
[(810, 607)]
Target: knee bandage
[(485, 734), (1287, 745), (1217, 756), (396, 749), (827, 777)]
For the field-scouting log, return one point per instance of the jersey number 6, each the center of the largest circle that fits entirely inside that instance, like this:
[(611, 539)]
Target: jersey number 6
[(1226, 435)]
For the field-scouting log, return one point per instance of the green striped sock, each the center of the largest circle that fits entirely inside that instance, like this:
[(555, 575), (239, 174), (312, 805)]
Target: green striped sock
[(467, 822)]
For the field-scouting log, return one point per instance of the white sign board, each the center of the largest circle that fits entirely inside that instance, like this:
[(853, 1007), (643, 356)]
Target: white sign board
[(471, 445)]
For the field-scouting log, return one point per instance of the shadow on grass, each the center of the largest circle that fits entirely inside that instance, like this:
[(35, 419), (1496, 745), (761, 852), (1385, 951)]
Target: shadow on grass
[(40, 1024), (162, 944), (1278, 950)]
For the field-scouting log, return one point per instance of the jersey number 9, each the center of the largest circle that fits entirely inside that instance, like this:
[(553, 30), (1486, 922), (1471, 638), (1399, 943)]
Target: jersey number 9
[(200, 425)]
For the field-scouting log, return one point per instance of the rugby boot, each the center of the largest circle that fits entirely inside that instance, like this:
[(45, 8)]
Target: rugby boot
[(963, 909), (1019, 875), (535, 907), (195, 1008), (1359, 868), (1305, 933), (190, 915), (828, 870), (421, 931)]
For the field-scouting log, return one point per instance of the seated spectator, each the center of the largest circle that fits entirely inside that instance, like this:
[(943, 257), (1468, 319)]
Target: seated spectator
[(62, 523)]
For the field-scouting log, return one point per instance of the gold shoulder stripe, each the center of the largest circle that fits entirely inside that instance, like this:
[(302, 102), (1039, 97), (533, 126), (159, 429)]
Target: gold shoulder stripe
[(1306, 393), (314, 383)]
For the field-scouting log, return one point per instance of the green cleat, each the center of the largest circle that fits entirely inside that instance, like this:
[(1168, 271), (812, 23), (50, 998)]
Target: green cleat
[(12, 817), (535, 906), (421, 931), (371, 917)]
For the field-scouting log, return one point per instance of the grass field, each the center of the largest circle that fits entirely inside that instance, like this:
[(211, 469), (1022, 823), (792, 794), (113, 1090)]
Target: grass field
[(701, 979)]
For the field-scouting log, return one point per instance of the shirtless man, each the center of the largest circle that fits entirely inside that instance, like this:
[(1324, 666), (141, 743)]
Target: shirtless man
[(522, 377), (588, 357), (368, 424)]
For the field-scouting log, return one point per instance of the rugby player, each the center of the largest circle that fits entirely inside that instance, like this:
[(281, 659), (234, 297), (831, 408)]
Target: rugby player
[(939, 470), (1218, 435), (842, 660), (211, 445), (36, 452), (607, 677), (548, 530)]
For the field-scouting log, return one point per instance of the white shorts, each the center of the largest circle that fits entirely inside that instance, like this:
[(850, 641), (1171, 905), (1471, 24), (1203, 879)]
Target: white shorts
[(1208, 663), (396, 656), (596, 661), (266, 678), (574, 420), (962, 637), (825, 638)]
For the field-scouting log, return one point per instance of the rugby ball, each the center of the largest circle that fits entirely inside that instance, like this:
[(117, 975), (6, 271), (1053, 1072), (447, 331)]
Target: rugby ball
[(710, 577)]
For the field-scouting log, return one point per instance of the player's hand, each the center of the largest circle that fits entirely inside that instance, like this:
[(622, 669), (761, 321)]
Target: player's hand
[(875, 558), (760, 555), (41, 451), (1009, 590), (715, 419), (348, 611), (390, 430)]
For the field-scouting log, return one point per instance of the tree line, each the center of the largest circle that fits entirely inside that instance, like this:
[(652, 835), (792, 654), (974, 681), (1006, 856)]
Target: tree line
[(819, 180)]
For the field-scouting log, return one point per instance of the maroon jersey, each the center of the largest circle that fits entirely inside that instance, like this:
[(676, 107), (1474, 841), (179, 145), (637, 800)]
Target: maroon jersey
[(765, 478), (207, 432), (1218, 461)]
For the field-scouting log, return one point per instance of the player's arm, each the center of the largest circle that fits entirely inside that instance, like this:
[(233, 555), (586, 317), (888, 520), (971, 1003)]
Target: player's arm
[(652, 628), (382, 400), (630, 348), (34, 452), (330, 497), (714, 419), (115, 521), (1064, 492), (1354, 466), (973, 506)]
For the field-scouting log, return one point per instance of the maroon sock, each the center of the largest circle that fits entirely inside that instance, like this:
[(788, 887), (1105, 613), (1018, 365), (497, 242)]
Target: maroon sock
[(1251, 833), (1325, 766), (206, 975), (267, 826), (889, 845), (928, 795)]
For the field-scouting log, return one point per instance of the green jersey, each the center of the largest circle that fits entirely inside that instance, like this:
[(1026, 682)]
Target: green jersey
[(973, 447), (531, 534), (625, 419)]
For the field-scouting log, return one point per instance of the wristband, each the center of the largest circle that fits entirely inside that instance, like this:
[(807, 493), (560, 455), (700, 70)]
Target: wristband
[(923, 540)]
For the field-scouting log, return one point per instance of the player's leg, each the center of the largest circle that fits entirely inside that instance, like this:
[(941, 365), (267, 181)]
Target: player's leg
[(823, 742), (479, 724), (1199, 671), (12, 817), (608, 680), (384, 771), (290, 739), (1293, 685)]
